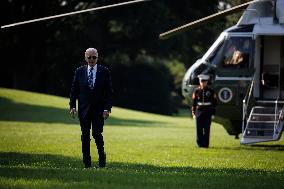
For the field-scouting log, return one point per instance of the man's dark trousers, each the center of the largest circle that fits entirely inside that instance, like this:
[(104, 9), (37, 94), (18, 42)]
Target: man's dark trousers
[(95, 122)]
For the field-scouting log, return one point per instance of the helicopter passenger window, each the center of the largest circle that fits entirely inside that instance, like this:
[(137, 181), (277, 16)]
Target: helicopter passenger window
[(234, 52)]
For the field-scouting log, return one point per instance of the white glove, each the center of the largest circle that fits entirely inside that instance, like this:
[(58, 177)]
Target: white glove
[(105, 114), (212, 117), (73, 113), (194, 117)]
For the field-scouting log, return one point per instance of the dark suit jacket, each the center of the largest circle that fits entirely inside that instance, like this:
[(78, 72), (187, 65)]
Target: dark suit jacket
[(99, 98)]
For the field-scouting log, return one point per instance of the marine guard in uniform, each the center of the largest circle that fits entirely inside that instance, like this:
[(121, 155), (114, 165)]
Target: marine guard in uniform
[(203, 110)]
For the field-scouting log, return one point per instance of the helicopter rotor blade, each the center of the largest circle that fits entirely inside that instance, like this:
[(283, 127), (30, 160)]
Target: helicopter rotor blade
[(204, 20), (72, 13)]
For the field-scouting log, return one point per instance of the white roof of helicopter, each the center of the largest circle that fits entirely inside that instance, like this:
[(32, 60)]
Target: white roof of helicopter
[(268, 30), (261, 10), (261, 14)]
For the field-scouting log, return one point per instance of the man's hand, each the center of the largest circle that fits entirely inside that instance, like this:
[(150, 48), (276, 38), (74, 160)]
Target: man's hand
[(193, 116), (212, 117), (73, 113), (105, 114)]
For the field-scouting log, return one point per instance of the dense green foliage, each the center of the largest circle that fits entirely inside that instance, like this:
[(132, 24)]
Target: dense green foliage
[(42, 56), (40, 148)]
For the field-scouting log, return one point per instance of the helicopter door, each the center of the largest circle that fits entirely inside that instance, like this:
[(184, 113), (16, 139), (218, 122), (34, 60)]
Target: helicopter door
[(272, 67)]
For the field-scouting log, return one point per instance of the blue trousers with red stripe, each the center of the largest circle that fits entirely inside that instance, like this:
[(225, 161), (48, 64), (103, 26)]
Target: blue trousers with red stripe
[(203, 123)]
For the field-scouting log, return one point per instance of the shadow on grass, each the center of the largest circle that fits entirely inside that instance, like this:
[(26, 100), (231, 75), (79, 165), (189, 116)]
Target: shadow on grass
[(261, 147), (68, 170), (11, 111)]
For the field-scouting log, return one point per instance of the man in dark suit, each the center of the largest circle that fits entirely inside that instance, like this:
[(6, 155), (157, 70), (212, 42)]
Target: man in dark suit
[(93, 88)]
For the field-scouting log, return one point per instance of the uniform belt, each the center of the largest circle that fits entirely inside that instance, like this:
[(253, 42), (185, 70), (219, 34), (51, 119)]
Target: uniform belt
[(204, 103)]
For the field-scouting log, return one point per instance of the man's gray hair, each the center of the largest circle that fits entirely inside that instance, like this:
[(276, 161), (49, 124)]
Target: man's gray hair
[(91, 50)]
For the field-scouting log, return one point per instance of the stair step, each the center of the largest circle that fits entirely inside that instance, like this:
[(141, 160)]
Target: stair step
[(264, 110), (260, 125), (260, 129), (252, 121), (259, 137), (262, 118), (259, 133), (255, 114)]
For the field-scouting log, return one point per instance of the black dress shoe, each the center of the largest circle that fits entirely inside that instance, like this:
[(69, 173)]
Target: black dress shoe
[(102, 160), (88, 165)]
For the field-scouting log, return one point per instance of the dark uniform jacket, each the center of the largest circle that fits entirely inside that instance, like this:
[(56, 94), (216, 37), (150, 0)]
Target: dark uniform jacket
[(99, 98), (204, 101)]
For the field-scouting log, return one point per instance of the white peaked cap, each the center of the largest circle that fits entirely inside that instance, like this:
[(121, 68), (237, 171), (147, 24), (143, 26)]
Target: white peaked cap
[(203, 77)]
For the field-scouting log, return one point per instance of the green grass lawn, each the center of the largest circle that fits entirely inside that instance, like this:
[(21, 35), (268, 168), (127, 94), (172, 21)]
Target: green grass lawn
[(40, 147)]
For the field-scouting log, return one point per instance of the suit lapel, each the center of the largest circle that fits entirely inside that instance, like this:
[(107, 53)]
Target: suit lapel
[(85, 75)]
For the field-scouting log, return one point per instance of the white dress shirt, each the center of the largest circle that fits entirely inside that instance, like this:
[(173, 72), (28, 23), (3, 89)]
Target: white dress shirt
[(94, 73)]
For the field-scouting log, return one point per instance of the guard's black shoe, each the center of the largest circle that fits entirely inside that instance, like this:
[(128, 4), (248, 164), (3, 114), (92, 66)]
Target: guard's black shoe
[(87, 161), (88, 165), (102, 160), (203, 146)]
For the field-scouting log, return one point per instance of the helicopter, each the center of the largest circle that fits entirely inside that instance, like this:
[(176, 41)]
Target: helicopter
[(246, 68)]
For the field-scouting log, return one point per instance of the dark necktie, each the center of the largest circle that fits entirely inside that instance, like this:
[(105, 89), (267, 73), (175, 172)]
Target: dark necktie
[(90, 78)]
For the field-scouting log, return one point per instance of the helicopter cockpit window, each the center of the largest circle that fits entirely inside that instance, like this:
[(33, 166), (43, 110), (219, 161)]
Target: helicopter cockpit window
[(234, 52)]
